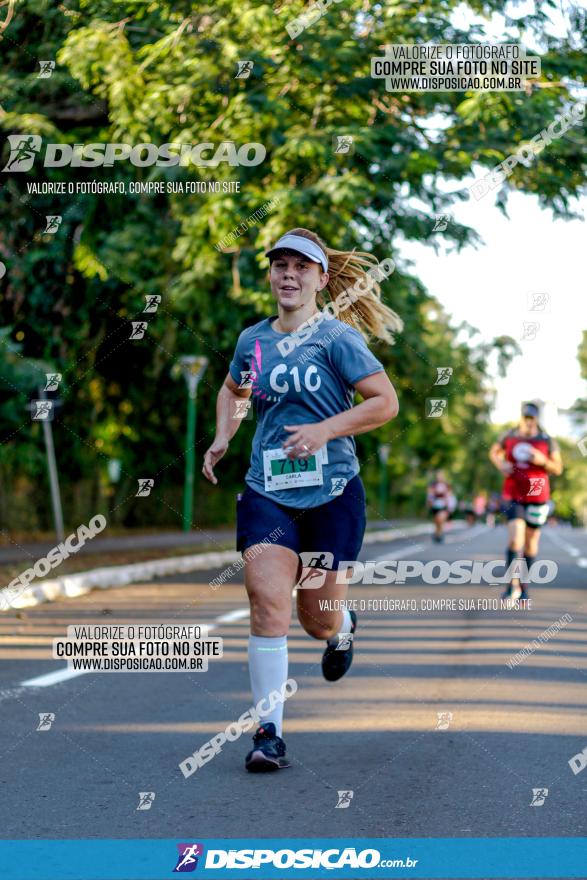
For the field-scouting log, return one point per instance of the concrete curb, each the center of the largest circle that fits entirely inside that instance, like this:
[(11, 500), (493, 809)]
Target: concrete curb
[(73, 585)]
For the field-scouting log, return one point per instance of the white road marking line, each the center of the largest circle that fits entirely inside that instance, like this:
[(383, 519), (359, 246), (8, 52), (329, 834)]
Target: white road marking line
[(381, 536), (51, 678), (476, 530), (239, 614), (564, 545), (399, 554)]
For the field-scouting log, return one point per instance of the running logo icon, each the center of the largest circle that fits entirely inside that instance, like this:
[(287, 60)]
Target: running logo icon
[(46, 719), (443, 375), (152, 302), (441, 222), (53, 380), (314, 568), (337, 485), (245, 69), (539, 795), (146, 799), (536, 485), (43, 411), (435, 407), (242, 409), (538, 302), (53, 223), (23, 151), (530, 330), (343, 143), (444, 719), (145, 487), (344, 800), (247, 378), (47, 68), (188, 857), (138, 329)]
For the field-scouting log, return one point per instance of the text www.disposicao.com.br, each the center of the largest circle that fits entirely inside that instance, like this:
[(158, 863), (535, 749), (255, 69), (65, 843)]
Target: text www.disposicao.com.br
[(136, 664)]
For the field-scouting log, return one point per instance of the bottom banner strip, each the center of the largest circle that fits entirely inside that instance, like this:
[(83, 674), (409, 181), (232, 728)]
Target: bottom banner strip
[(269, 859)]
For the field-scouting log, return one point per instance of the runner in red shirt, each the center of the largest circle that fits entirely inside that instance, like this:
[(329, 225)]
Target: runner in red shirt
[(527, 455)]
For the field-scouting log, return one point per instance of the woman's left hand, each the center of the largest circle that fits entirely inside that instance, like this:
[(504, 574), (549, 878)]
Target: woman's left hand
[(305, 440), (538, 458)]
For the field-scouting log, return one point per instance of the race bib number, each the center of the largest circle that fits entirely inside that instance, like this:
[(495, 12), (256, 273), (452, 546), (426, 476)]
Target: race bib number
[(284, 473), (537, 514)]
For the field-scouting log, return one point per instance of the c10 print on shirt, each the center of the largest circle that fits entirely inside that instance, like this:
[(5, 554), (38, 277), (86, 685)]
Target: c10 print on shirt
[(280, 376)]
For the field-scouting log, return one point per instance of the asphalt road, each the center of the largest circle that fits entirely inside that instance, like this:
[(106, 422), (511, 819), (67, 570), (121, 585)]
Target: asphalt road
[(376, 733)]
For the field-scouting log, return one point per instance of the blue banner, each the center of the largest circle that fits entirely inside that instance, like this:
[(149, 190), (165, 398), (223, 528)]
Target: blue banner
[(268, 859)]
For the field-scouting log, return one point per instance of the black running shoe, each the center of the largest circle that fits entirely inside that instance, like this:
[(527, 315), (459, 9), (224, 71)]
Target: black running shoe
[(268, 752), (336, 662)]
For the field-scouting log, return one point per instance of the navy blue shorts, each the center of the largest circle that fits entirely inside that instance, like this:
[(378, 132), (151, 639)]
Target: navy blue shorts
[(534, 515), (336, 527)]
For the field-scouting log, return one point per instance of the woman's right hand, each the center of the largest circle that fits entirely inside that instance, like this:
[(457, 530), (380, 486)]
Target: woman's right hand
[(212, 457)]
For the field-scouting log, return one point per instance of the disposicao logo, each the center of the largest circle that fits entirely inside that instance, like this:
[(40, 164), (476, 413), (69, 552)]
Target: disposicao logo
[(24, 149), (328, 859)]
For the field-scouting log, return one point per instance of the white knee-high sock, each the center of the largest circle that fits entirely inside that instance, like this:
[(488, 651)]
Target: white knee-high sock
[(268, 672), (345, 626)]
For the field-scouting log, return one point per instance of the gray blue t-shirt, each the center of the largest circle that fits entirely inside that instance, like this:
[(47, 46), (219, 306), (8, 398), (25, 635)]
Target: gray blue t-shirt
[(301, 378)]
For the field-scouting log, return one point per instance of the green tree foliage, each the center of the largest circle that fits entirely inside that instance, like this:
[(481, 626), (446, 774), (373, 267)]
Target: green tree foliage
[(570, 489), (580, 406), (155, 72)]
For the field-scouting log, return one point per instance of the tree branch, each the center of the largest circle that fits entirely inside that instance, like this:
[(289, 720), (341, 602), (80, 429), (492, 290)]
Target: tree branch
[(9, 14), (71, 115)]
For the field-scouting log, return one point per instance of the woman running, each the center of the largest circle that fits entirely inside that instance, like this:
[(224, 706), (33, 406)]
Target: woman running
[(438, 498), (527, 455), (480, 506), (303, 494), (493, 508)]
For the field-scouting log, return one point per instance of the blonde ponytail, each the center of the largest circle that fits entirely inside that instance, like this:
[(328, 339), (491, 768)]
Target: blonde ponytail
[(356, 273)]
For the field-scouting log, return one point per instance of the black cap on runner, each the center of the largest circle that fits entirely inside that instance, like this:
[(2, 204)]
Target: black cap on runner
[(530, 409)]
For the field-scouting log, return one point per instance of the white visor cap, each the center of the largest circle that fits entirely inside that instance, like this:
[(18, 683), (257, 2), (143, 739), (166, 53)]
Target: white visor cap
[(303, 246)]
